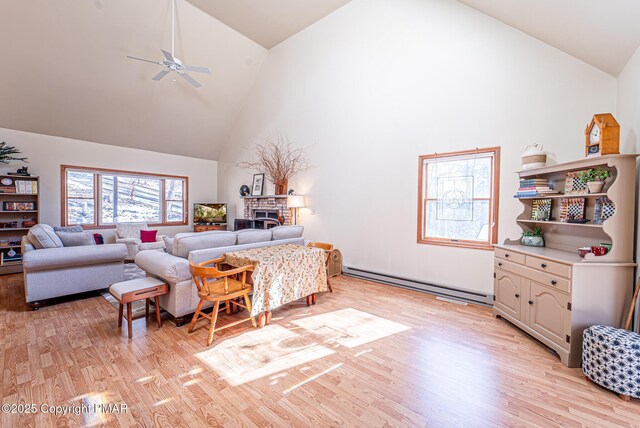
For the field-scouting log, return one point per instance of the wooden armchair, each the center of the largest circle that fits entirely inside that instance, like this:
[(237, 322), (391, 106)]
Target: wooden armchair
[(327, 249), (217, 286)]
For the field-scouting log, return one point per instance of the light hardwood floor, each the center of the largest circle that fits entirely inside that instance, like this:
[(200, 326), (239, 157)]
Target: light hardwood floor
[(365, 355)]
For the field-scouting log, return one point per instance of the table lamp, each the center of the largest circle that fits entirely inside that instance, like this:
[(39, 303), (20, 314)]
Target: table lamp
[(295, 202)]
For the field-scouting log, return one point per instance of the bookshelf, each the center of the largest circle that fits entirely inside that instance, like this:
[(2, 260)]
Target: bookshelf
[(19, 205), (619, 188)]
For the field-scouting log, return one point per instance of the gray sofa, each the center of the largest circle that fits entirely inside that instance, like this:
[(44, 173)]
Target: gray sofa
[(55, 272), (173, 266)]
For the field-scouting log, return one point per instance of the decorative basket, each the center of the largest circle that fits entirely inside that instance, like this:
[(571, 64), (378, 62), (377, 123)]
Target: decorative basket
[(335, 263)]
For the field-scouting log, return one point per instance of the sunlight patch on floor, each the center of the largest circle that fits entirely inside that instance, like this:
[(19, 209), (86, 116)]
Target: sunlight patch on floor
[(259, 353), (350, 327), (90, 400), (312, 378)]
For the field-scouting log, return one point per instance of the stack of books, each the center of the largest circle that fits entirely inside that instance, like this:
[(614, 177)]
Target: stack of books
[(26, 187), (534, 187), (8, 189)]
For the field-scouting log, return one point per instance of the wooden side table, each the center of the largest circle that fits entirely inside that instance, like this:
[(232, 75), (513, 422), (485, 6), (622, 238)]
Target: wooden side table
[(127, 292)]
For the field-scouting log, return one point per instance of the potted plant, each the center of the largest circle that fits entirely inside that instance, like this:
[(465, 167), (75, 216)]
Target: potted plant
[(594, 178), (533, 238), (7, 153)]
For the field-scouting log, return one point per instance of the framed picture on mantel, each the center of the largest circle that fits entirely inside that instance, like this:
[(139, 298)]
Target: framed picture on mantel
[(258, 185)]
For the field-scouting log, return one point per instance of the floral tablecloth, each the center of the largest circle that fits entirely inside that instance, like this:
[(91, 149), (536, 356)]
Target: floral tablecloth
[(282, 273)]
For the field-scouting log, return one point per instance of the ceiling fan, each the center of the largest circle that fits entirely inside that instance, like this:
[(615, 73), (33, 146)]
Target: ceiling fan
[(170, 62)]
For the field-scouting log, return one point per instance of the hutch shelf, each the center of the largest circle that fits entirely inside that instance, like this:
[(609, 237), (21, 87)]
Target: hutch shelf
[(12, 220), (551, 292)]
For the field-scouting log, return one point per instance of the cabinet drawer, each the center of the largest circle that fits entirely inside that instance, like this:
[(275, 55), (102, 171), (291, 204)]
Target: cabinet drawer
[(549, 266), (510, 255), (553, 281)]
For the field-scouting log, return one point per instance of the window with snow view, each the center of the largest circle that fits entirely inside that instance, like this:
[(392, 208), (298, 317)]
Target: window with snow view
[(102, 198)]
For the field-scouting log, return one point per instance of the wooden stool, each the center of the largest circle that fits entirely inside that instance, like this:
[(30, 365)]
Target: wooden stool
[(127, 292)]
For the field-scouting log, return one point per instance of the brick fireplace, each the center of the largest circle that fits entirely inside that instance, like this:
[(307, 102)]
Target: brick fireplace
[(267, 204)]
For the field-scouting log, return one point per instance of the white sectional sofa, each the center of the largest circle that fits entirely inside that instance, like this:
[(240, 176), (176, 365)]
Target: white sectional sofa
[(173, 266)]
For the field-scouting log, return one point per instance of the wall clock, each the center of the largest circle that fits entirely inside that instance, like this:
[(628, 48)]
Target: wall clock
[(602, 136)]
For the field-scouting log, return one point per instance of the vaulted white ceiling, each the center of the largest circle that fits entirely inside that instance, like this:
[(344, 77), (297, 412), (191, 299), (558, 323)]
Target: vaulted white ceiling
[(604, 34), (65, 70), (269, 22), (65, 73)]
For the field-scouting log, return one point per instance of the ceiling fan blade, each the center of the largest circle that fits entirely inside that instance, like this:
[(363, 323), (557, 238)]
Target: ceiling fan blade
[(142, 59), (160, 75), (168, 56), (197, 69), (191, 80)]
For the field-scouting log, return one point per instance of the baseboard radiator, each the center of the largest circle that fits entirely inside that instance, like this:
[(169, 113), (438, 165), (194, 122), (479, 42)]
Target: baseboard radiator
[(425, 287)]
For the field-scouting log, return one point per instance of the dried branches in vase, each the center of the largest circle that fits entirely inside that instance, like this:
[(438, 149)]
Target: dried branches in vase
[(280, 160)]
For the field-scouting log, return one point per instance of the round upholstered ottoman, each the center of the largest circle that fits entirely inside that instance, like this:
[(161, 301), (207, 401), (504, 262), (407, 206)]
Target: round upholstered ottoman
[(611, 358)]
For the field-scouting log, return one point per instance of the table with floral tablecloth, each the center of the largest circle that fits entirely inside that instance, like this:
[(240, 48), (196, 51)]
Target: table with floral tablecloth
[(282, 273)]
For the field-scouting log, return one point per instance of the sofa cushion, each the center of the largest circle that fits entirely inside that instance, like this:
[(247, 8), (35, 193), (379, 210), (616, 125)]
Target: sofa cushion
[(76, 239), (43, 236), (168, 244), (186, 242), (286, 232), (58, 258), (76, 228), (251, 236)]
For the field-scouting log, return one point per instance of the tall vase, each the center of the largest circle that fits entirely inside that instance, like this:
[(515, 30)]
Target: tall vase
[(281, 187)]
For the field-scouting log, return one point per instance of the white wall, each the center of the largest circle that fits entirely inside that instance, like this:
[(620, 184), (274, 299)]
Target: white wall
[(628, 115), (629, 105), (45, 155), (378, 83)]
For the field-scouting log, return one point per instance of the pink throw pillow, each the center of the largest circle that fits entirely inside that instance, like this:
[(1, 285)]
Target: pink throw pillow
[(148, 236)]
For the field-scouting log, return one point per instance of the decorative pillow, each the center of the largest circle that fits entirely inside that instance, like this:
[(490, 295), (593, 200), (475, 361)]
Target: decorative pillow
[(148, 236), (43, 236), (75, 239), (77, 228), (98, 238), (168, 244)]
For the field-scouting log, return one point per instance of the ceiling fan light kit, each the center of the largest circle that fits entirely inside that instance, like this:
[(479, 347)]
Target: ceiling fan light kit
[(170, 62)]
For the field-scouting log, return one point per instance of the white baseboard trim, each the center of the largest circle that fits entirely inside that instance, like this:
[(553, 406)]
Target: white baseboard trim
[(412, 284)]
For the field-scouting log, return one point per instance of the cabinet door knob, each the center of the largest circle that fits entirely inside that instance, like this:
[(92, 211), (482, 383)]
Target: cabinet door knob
[(499, 264), (517, 296), (543, 265), (531, 302), (554, 282), (506, 255)]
